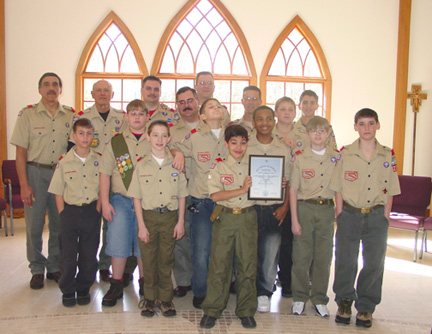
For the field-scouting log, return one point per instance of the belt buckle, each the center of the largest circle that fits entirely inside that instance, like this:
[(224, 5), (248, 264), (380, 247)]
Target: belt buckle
[(237, 211), (320, 202), (365, 210), (79, 204)]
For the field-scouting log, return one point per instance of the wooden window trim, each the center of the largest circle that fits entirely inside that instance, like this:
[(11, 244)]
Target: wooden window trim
[(88, 50), (298, 23)]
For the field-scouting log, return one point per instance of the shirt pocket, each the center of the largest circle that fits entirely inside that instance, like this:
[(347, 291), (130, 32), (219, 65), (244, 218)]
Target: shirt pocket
[(39, 131)]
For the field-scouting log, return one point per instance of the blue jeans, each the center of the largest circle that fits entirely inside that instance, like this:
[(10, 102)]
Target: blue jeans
[(269, 239), (200, 240)]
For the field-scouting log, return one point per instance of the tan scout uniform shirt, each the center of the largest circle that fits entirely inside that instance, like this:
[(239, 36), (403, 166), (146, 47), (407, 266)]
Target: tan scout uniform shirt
[(311, 173), (157, 186), (104, 131), (248, 126), (276, 147), (362, 183), (44, 136), (229, 174), (203, 148), (164, 113), (299, 134), (137, 149), (77, 181)]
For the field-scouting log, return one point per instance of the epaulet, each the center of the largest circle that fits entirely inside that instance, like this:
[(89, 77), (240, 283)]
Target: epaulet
[(61, 157), (98, 153), (223, 105), (232, 122), (65, 107), (29, 106), (392, 151), (81, 113), (193, 130), (342, 148), (139, 159), (219, 159), (170, 125), (165, 107), (298, 152)]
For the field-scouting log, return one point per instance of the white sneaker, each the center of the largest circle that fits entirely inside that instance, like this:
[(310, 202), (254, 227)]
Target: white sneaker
[(322, 310), (298, 308), (263, 304)]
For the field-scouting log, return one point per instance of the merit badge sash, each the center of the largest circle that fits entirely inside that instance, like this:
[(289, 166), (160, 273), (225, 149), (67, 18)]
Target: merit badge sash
[(123, 159)]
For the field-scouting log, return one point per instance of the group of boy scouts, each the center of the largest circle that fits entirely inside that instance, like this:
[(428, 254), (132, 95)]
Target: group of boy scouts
[(171, 187)]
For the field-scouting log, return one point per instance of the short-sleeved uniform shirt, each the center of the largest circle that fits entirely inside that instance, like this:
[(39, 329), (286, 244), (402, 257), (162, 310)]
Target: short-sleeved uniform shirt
[(45, 137), (247, 125), (164, 113), (157, 185), (137, 149), (203, 148), (301, 138), (276, 147), (77, 181), (229, 174), (362, 183), (104, 130), (311, 173)]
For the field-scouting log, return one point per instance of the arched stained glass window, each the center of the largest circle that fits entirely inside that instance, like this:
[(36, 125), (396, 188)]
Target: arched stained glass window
[(205, 37), (111, 54), (295, 63)]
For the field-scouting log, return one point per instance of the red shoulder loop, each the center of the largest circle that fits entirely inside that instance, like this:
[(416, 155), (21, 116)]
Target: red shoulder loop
[(298, 152), (61, 157), (170, 125), (393, 152), (194, 130), (139, 159), (342, 148), (116, 134), (72, 109), (232, 122), (30, 105), (173, 110), (81, 113), (219, 159), (99, 153)]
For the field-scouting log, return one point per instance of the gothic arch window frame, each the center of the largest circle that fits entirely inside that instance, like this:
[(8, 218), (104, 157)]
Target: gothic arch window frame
[(81, 73), (235, 28), (326, 80)]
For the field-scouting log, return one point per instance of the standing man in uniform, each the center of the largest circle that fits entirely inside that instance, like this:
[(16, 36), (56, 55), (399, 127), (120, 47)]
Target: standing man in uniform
[(251, 100), (41, 136), (107, 121), (151, 92)]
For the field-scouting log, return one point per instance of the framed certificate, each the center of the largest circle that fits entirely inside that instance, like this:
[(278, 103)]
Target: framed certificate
[(267, 173)]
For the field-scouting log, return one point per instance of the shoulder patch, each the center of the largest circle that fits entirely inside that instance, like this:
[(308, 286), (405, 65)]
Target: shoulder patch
[(81, 113), (193, 130), (65, 107)]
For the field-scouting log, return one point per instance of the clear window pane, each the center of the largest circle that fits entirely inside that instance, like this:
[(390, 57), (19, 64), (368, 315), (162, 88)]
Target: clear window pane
[(311, 66), (295, 66), (129, 63), (131, 89), (275, 90), (96, 63), (112, 62)]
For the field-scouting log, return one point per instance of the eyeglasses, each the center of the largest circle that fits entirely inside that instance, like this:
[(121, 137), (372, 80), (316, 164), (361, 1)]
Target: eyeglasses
[(320, 131), (188, 101), (250, 98), (205, 83)]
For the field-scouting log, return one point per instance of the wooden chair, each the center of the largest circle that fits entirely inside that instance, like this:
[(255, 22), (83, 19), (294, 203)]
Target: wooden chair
[(409, 208)]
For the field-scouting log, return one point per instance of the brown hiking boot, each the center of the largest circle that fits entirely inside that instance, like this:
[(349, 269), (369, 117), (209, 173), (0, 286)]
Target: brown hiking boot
[(115, 292), (343, 315), (167, 308), (148, 307), (364, 319)]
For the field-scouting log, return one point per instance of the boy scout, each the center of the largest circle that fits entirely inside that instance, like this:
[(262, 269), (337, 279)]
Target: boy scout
[(312, 216), (234, 233), (40, 136), (202, 145), (118, 160), (107, 121), (271, 213), (75, 185), (298, 139), (285, 112), (159, 192), (365, 181)]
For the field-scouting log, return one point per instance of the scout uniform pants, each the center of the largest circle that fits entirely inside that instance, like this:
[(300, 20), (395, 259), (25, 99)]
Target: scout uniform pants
[(234, 237)]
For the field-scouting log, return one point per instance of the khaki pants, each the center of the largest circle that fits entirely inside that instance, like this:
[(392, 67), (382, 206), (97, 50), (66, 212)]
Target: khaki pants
[(157, 255), (234, 236)]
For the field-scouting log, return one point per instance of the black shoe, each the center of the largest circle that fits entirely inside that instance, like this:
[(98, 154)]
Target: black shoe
[(141, 286), (105, 275), (148, 308), (68, 299), (248, 322), (54, 276), (181, 291), (127, 278), (115, 292), (83, 297), (364, 319), (37, 281), (207, 321), (286, 292), (197, 302)]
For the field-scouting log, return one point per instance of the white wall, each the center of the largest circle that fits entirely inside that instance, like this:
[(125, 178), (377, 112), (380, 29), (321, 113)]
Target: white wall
[(359, 39)]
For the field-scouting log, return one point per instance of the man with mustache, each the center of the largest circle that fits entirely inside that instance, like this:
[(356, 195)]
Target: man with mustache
[(151, 92), (41, 135)]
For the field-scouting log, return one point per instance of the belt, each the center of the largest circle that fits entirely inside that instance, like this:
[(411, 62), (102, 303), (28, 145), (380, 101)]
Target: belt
[(361, 210), (162, 210), (82, 204), (323, 201), (37, 164), (238, 211)]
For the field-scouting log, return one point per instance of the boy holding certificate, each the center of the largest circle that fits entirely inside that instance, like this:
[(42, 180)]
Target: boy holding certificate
[(312, 216), (234, 233), (271, 213)]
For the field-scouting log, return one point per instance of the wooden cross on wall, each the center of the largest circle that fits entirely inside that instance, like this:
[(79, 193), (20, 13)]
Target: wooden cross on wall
[(416, 98)]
